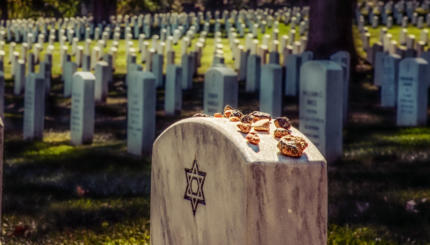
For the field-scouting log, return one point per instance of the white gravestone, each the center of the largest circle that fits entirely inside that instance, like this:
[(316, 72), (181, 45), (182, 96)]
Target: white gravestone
[(412, 92), (389, 81), (344, 60), (102, 74), (19, 80), (271, 91), (70, 68), (82, 109), (292, 64), (320, 106), (378, 68), (209, 186), (34, 107), (173, 94), (141, 108), (221, 88)]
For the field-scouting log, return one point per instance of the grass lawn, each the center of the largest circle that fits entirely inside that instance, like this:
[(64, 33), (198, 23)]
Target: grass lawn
[(55, 193)]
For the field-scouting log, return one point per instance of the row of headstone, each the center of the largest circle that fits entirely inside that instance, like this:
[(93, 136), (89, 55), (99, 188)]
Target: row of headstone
[(402, 13), (405, 86)]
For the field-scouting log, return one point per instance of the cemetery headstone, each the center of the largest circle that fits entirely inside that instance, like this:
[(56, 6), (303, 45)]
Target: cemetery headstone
[(412, 92), (344, 60), (389, 80), (320, 107), (292, 64), (193, 202), (173, 96), (271, 91), (82, 108), (221, 88), (102, 74), (141, 106), (34, 107)]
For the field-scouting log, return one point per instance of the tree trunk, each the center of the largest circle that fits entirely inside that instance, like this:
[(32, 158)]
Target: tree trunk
[(103, 9), (4, 9), (330, 28)]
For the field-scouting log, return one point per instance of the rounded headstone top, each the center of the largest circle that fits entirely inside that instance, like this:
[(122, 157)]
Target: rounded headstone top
[(267, 150)]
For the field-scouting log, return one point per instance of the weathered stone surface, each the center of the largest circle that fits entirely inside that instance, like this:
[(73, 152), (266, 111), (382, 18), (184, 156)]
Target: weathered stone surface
[(242, 194)]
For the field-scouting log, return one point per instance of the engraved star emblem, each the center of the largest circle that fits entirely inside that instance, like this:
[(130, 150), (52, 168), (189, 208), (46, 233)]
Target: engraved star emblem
[(194, 190)]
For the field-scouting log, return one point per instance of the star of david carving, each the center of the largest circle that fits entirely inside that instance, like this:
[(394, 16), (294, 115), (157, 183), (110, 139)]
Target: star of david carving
[(194, 190)]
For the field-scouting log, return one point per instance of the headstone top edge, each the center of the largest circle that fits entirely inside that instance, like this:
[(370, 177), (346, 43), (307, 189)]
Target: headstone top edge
[(223, 69), (327, 64), (85, 75), (267, 151)]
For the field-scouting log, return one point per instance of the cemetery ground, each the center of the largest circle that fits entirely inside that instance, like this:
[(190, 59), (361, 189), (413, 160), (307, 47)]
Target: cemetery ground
[(55, 193)]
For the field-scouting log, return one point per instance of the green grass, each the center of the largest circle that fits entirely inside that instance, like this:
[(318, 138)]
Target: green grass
[(55, 193)]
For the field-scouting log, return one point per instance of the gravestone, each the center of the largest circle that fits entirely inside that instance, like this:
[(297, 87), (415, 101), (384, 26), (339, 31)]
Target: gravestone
[(243, 63), (271, 91), (69, 69), (173, 96), (86, 63), (102, 74), (157, 69), (82, 108), (412, 92), (253, 73), (141, 108), (209, 186), (321, 106), (45, 70), (19, 78), (34, 107), (389, 80), (187, 71), (344, 60), (221, 88), (378, 68), (371, 52), (292, 63)]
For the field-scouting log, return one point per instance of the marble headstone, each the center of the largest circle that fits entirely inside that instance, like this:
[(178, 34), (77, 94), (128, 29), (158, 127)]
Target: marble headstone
[(83, 108), (141, 108), (321, 106), (412, 92), (209, 186), (173, 94), (271, 90), (389, 80), (221, 88), (34, 107)]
